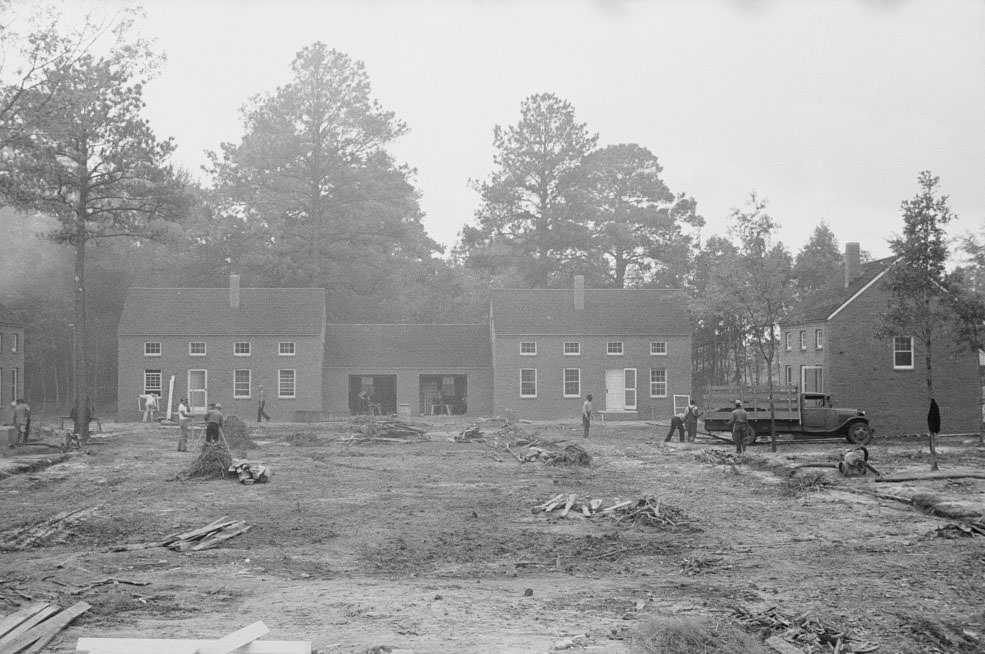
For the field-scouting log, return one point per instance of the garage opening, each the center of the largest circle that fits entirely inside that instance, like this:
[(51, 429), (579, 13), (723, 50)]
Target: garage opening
[(372, 394), (444, 395)]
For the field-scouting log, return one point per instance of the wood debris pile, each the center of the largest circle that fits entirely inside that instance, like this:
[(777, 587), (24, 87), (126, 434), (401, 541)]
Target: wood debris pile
[(212, 462), (718, 457), (29, 629), (385, 430), (497, 431), (56, 529), (250, 472), (646, 511), (786, 631), (961, 530), (570, 455), (195, 540)]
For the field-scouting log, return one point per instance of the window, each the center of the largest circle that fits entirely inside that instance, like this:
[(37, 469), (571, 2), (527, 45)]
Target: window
[(241, 348), (1, 341), (658, 382), (152, 349), (1, 387), (152, 382), (658, 348), (286, 383), (572, 382), (803, 339), (528, 347), (196, 349), (613, 347), (788, 376), (286, 348), (572, 348), (15, 374), (15, 342), (811, 379), (818, 339), (528, 382), (241, 382), (903, 353), (786, 341)]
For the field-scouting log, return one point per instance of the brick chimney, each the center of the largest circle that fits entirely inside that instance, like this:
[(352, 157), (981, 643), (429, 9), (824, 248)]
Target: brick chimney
[(234, 291), (852, 262), (579, 292)]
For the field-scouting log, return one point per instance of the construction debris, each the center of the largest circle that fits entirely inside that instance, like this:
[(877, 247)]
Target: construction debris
[(787, 633), (718, 457), (855, 462), (53, 530), (29, 629), (245, 641), (385, 430), (250, 472), (646, 511), (195, 540), (961, 530)]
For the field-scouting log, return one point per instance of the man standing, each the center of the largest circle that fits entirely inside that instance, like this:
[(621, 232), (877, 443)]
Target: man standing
[(184, 419), (586, 414), (739, 423), (213, 422), (22, 417), (261, 402), (150, 406), (691, 420)]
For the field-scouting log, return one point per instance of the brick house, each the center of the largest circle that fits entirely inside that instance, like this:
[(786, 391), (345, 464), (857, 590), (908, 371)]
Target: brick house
[(830, 344), (11, 365), (409, 369), (220, 345), (629, 348)]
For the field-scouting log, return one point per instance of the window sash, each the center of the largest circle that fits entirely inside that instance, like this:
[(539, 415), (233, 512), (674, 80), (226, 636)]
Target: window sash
[(572, 382), (197, 349), (658, 382), (818, 339), (242, 378), (286, 383), (528, 348), (572, 348), (658, 348), (153, 349), (614, 348), (242, 349), (286, 348), (902, 352), (152, 382), (528, 382)]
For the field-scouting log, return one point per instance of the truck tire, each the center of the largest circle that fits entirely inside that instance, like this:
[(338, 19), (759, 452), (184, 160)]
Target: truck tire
[(858, 433)]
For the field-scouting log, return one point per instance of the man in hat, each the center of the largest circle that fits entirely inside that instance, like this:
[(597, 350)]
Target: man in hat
[(739, 423), (184, 421), (213, 421)]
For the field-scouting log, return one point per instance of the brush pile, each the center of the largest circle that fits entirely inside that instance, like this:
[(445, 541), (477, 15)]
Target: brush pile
[(646, 511), (718, 457), (802, 631), (212, 463), (237, 434)]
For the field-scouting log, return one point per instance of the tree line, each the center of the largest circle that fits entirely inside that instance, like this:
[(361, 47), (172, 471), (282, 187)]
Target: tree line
[(311, 196)]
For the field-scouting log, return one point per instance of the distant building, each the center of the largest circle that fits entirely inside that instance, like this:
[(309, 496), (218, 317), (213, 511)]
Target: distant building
[(831, 344), (11, 364)]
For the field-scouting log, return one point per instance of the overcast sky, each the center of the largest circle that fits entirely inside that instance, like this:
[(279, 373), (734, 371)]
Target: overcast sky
[(827, 109)]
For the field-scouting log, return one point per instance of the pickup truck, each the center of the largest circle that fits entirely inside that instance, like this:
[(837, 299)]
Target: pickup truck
[(802, 415)]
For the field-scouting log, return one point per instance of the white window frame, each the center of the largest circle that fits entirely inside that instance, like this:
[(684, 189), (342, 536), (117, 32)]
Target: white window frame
[(655, 348), (150, 388), (15, 345), (237, 394), (193, 353), (788, 375), (897, 350), (532, 344), (803, 340), (612, 351), (292, 382), (576, 382), (817, 372), (787, 341), (528, 395), (15, 378), (818, 339), (654, 383), (148, 349), (281, 349), (1, 341), (575, 351), (238, 353)]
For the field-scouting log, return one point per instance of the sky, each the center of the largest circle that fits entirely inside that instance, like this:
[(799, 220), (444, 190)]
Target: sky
[(828, 110)]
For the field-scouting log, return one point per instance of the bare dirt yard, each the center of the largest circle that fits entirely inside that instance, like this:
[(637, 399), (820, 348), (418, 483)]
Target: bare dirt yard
[(432, 546)]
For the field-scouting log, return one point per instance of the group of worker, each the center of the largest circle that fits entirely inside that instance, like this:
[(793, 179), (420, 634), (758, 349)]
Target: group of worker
[(738, 425)]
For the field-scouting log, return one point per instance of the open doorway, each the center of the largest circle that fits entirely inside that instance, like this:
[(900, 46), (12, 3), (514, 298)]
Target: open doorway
[(368, 390), (444, 394)]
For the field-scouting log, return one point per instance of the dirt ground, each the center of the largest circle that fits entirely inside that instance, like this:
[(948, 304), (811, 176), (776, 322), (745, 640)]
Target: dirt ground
[(431, 547)]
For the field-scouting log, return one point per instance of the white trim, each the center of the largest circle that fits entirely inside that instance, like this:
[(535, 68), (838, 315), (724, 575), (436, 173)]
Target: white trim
[(658, 354), (249, 384), (665, 382), (535, 384), (249, 349), (160, 349), (912, 351), (564, 383), (294, 383), (294, 348), (859, 292), (622, 348), (528, 354), (204, 352), (571, 354)]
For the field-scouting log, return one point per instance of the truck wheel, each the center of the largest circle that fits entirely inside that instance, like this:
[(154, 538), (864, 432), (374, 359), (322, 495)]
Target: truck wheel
[(858, 433)]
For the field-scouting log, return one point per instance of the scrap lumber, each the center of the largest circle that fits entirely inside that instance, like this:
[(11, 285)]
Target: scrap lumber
[(183, 646), (27, 624), (20, 615), (237, 639), (223, 535), (42, 532), (38, 636), (647, 511)]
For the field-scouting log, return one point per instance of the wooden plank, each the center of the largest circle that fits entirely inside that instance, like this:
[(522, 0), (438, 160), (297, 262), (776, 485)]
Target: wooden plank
[(567, 504), (237, 639), (201, 531), (20, 615), (46, 630), (183, 646), (26, 625), (221, 536)]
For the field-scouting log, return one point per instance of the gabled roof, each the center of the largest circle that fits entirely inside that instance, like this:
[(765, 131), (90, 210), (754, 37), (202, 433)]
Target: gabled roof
[(607, 312), (404, 346), (824, 304), (206, 312)]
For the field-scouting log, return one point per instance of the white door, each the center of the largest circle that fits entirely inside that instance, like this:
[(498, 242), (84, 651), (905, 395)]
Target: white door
[(198, 393), (615, 396)]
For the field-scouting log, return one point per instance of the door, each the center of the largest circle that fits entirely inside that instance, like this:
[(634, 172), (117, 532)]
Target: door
[(615, 396), (198, 394)]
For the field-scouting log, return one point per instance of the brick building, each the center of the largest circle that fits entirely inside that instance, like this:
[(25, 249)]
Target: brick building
[(11, 364), (831, 344), (220, 345)]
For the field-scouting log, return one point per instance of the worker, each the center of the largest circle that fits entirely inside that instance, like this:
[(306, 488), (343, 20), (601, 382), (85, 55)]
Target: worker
[(691, 416), (676, 422), (213, 422), (739, 422), (184, 420)]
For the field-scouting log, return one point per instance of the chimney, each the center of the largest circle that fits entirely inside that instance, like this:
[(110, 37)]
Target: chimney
[(234, 291), (579, 292), (852, 262)]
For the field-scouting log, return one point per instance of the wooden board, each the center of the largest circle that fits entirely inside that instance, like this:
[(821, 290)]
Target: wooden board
[(46, 630), (237, 639), (26, 625), (183, 646), (12, 621)]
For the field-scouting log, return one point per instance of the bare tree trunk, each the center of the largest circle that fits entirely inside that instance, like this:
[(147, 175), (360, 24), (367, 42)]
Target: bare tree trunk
[(81, 400)]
